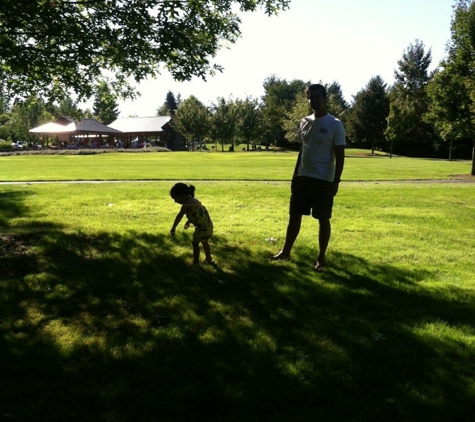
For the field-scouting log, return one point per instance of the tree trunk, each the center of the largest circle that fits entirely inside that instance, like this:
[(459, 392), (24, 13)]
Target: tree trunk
[(451, 147)]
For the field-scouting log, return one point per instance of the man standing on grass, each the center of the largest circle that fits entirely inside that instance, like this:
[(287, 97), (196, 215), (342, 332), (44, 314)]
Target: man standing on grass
[(317, 173)]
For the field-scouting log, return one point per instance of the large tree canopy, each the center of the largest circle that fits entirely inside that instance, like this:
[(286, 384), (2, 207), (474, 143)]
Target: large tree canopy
[(406, 130), (53, 46)]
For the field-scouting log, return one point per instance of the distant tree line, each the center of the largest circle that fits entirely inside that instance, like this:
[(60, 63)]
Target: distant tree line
[(412, 117), (422, 114)]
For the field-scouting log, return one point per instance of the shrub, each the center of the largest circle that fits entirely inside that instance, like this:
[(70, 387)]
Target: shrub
[(5, 145)]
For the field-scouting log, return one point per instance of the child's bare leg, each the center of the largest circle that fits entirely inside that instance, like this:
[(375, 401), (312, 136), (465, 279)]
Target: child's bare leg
[(207, 250), (196, 253)]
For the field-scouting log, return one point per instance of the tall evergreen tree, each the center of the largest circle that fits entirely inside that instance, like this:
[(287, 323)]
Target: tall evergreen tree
[(367, 120), (336, 103), (171, 103), (169, 107), (105, 107), (407, 130)]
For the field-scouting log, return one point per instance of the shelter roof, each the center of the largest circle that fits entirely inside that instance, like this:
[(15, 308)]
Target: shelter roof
[(53, 127), (68, 125), (64, 120), (92, 125), (141, 124)]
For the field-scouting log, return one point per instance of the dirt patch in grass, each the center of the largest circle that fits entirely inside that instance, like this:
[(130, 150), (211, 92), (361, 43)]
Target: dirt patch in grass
[(16, 255), (467, 177), (11, 245)]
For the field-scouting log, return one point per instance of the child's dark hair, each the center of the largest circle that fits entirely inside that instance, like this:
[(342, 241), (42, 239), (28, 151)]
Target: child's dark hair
[(182, 189)]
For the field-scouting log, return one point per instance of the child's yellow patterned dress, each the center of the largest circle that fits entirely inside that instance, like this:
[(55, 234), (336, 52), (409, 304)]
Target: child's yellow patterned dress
[(198, 215)]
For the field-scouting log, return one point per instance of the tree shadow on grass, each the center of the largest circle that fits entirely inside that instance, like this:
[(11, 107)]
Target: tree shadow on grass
[(10, 206), (119, 327)]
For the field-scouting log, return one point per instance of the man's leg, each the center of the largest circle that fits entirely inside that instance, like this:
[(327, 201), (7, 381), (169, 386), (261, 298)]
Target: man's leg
[(324, 234), (293, 230)]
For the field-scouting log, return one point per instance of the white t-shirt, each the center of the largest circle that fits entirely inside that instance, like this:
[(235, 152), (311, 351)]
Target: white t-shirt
[(318, 136)]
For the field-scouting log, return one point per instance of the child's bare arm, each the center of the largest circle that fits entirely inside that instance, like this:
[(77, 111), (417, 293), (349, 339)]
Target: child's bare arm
[(178, 218)]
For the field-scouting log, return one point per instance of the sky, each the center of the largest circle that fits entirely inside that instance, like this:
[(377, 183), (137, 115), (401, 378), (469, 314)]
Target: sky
[(344, 41)]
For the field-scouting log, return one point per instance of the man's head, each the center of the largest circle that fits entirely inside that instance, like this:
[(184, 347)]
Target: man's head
[(317, 98), (317, 87)]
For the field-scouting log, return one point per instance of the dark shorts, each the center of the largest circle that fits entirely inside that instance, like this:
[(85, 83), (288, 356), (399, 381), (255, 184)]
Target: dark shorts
[(311, 195)]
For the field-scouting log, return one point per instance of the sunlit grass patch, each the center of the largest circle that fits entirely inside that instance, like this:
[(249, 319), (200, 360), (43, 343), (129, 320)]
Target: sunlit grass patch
[(255, 166)]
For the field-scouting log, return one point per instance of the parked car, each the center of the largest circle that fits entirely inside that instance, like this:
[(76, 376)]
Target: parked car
[(17, 145)]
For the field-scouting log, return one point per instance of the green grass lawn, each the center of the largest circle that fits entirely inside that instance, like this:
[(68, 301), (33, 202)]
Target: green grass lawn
[(215, 166), (104, 319)]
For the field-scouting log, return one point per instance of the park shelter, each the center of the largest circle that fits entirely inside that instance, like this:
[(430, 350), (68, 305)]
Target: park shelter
[(154, 129), (94, 131), (86, 133)]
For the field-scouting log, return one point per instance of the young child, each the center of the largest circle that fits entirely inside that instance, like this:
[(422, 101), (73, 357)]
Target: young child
[(197, 215)]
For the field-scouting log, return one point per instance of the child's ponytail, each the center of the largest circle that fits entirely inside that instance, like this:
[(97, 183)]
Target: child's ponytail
[(182, 189)]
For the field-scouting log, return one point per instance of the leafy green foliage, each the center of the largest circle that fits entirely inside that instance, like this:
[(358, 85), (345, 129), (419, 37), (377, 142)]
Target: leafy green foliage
[(412, 74), (191, 119), (27, 114), (409, 133), (336, 103), (278, 101), (459, 69), (50, 47), (223, 122), (367, 119), (291, 122), (172, 103), (4, 117), (68, 107), (170, 106), (449, 106), (249, 121), (106, 109), (299, 107)]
